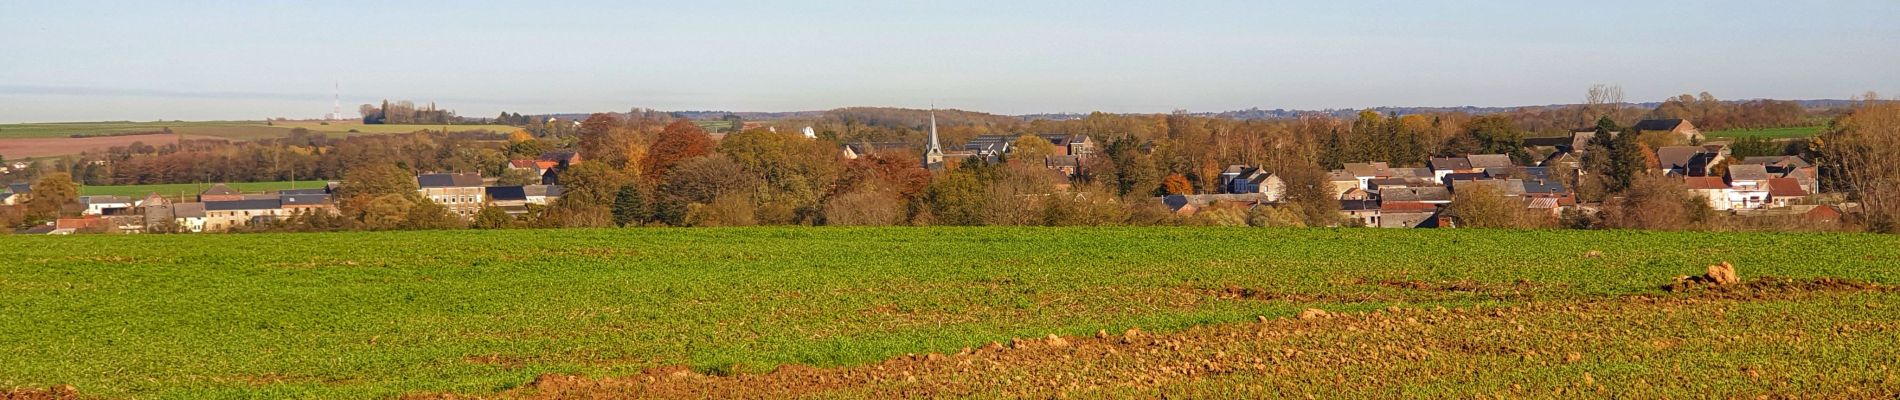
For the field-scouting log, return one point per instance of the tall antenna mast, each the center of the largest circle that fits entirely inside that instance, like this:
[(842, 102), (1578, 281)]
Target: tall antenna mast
[(336, 102)]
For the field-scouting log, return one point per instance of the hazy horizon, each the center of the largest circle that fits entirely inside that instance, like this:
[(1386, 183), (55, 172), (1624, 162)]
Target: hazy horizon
[(200, 61)]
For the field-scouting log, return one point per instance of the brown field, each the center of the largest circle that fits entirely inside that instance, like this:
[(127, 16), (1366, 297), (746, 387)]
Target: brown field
[(18, 148)]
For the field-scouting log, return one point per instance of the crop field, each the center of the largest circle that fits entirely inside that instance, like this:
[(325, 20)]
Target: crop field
[(1771, 133), (192, 189), (982, 312)]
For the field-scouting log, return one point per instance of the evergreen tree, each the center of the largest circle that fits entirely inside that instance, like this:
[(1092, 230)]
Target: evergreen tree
[(630, 206)]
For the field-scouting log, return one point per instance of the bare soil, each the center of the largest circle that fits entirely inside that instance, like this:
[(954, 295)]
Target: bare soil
[(18, 148), (1324, 354)]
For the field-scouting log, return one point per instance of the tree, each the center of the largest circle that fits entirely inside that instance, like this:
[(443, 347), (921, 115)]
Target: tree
[(699, 180), (1479, 206), (1497, 134), (630, 206), (51, 193), (1309, 190), (603, 139), (957, 198), (492, 217), (1177, 184), (678, 142), (590, 184), (1031, 149), (1864, 148), (1657, 202)]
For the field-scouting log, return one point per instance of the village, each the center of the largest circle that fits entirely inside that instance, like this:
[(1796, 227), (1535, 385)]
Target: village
[(1369, 194)]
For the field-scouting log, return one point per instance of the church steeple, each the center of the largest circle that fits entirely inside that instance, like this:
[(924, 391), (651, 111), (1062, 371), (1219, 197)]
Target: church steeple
[(933, 155)]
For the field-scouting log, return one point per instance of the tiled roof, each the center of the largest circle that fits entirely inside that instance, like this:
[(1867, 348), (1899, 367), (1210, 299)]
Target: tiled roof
[(1785, 187)]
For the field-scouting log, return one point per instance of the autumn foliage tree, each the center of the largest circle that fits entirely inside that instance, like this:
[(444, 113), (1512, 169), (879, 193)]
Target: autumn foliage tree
[(678, 142)]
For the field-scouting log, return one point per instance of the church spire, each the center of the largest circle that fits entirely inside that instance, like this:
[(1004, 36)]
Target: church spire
[(933, 155)]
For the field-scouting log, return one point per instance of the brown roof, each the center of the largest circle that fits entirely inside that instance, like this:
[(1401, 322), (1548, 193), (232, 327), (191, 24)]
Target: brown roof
[(1705, 182), (1785, 187)]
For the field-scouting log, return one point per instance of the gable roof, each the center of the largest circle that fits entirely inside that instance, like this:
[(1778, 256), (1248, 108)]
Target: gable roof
[(1747, 172), (1415, 194), (104, 200), (188, 210), (1657, 124), (543, 190), (1705, 182), (21, 188), (449, 180), (1785, 162), (1785, 187), (1371, 169), (1450, 163), (1490, 161), (1673, 157)]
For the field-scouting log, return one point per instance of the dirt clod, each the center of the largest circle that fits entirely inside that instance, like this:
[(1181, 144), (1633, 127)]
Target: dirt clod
[(1313, 313), (1723, 274), (1057, 341)]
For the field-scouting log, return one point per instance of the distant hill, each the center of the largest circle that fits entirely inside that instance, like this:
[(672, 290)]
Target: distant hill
[(910, 115)]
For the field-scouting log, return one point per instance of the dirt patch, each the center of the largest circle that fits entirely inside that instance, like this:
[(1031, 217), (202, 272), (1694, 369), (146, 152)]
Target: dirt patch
[(16, 148), (1342, 355), (60, 392), (1771, 287)]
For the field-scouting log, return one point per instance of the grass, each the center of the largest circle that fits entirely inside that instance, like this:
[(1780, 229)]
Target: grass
[(238, 130), (192, 189), (1770, 133), (379, 314)]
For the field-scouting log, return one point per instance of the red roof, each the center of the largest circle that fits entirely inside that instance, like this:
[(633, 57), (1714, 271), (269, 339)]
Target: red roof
[(1785, 187), (1705, 182), (538, 164)]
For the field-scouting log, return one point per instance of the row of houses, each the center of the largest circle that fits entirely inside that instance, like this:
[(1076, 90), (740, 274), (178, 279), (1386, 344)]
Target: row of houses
[(1377, 194)]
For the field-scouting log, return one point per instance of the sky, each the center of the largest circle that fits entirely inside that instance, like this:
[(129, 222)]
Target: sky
[(211, 60)]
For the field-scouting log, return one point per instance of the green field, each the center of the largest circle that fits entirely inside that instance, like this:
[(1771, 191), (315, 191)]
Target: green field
[(380, 314), (1772, 133), (239, 130), (192, 189)]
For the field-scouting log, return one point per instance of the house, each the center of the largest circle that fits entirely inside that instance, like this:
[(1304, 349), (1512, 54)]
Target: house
[(1407, 215), (1687, 160), (1486, 162), (1364, 173), (97, 205), (1778, 165), (1360, 212), (990, 146), (85, 224), (1503, 187), (175, 217), (1342, 182), (515, 199), (1442, 166), (1678, 127), (1070, 145), (220, 192), (225, 215), (536, 167), (1747, 187), (1783, 192), (1712, 188), (317, 202), (15, 194), (1433, 195), (1067, 165), (1248, 179), (462, 193)]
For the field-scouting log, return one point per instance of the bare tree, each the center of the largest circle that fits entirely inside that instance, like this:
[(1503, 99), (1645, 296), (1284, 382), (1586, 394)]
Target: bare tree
[(1603, 99), (1866, 143)]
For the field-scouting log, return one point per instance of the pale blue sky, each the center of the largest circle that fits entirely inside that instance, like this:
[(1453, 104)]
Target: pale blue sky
[(143, 60)]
